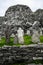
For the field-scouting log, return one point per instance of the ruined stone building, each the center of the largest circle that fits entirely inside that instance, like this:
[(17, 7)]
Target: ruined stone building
[(19, 15)]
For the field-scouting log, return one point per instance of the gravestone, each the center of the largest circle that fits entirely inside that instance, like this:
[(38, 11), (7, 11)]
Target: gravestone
[(0, 32), (36, 32), (15, 39), (28, 32), (14, 35), (20, 34), (35, 37), (0, 35), (41, 32)]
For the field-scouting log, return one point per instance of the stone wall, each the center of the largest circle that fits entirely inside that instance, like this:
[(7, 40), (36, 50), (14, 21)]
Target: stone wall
[(13, 54)]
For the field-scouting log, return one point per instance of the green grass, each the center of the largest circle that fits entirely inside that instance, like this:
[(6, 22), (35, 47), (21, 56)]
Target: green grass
[(2, 42), (41, 39), (27, 41)]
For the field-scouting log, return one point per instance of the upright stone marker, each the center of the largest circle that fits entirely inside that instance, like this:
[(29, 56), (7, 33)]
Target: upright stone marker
[(28, 32), (35, 37), (36, 32), (20, 34), (0, 35), (15, 39)]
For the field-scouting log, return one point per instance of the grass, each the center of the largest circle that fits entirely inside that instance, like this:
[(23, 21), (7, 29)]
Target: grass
[(41, 39), (2, 42), (27, 41)]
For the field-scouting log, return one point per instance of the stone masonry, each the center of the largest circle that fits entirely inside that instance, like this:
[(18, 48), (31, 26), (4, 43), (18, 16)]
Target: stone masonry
[(14, 54)]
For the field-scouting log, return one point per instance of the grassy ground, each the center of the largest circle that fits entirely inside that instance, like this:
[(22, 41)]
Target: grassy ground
[(41, 39), (27, 41)]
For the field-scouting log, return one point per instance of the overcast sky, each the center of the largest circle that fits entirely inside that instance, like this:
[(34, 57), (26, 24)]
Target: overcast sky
[(33, 4)]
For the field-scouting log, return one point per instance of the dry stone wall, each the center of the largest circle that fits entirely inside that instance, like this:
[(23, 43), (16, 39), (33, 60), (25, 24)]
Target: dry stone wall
[(11, 55)]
